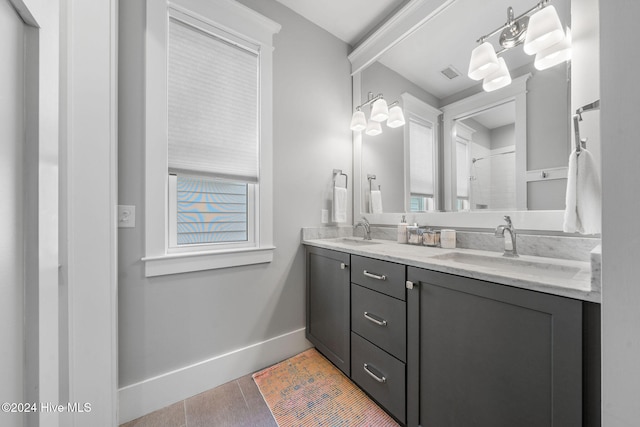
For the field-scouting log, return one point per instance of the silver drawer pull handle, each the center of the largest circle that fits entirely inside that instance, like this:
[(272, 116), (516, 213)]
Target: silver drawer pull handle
[(374, 376), (376, 321), (375, 276)]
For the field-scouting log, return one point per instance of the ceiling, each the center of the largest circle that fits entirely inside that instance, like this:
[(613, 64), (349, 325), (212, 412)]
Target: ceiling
[(449, 39), (446, 41), (349, 20)]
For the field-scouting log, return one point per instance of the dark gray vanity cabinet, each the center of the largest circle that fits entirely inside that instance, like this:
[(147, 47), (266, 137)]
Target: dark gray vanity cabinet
[(487, 355), (328, 321)]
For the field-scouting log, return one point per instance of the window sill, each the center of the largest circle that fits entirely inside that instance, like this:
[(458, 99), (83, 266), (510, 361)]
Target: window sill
[(200, 261)]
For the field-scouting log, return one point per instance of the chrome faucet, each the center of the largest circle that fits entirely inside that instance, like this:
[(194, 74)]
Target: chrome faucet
[(509, 245), (367, 228)]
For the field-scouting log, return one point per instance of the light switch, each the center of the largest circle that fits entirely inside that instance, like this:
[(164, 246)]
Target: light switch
[(126, 216)]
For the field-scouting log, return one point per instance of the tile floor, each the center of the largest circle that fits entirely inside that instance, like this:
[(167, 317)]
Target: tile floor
[(234, 404)]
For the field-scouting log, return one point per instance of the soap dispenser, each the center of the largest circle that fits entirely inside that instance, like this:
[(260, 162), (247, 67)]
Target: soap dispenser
[(402, 231)]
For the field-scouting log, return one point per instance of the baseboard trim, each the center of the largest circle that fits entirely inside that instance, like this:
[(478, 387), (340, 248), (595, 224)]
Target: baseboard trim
[(139, 399)]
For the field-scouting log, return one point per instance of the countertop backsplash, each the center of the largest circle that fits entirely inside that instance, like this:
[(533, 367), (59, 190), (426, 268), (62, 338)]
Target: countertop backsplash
[(565, 247)]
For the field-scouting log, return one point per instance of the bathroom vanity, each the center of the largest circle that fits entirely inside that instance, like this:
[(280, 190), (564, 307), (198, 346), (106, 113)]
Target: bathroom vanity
[(458, 337)]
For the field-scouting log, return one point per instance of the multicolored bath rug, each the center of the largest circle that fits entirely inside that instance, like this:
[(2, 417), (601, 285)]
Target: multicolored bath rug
[(307, 390)]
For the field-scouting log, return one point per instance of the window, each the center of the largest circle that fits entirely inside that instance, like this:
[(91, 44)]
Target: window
[(421, 154), (208, 136), (421, 168), (205, 211), (463, 139)]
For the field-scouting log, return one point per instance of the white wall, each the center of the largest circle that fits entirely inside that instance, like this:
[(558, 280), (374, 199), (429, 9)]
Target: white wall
[(11, 225), (168, 323), (620, 235)]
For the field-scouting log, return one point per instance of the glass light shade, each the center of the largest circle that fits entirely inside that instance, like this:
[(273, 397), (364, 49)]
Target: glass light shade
[(358, 121), (396, 117), (555, 54), (544, 30), (373, 128), (498, 79), (483, 61), (380, 111)]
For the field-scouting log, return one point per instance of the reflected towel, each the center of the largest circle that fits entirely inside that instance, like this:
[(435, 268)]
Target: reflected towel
[(339, 204), (376, 202), (584, 195)]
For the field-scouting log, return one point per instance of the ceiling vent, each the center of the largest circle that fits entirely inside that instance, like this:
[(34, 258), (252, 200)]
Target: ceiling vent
[(450, 72)]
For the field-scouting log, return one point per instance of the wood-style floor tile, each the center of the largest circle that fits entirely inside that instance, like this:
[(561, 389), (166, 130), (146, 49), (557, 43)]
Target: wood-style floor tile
[(224, 406), (171, 416), (258, 409)]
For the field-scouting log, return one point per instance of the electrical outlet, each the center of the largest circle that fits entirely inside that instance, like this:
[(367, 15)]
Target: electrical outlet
[(126, 216), (325, 216)]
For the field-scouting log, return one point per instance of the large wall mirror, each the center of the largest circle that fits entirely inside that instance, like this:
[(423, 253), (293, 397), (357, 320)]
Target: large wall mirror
[(462, 150)]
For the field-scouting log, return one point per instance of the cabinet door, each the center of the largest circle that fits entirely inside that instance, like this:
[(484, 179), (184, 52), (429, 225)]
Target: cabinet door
[(328, 305), (488, 355)]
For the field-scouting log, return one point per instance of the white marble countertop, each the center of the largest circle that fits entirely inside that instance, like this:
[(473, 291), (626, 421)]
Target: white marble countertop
[(561, 277)]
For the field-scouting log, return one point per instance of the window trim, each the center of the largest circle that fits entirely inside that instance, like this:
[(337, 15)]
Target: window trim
[(245, 24)]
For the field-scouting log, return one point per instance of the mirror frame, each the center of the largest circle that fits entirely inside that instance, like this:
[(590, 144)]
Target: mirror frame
[(406, 21)]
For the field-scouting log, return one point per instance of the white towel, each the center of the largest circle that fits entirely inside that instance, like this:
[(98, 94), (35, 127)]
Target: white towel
[(376, 201), (339, 204), (583, 212)]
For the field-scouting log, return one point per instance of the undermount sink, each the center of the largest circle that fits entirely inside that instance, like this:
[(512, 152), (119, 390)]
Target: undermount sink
[(512, 265), (356, 241)]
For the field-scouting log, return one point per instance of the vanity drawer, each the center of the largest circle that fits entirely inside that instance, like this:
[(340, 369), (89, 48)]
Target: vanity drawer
[(379, 374), (382, 276), (380, 319)]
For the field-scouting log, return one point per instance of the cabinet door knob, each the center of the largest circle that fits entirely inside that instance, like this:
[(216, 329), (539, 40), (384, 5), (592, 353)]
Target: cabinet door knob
[(374, 276), (374, 320), (343, 266), (374, 376)]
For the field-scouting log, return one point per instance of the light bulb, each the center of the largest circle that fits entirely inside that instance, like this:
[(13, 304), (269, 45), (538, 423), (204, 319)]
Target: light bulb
[(358, 121), (483, 61), (498, 79), (544, 30), (554, 54), (380, 111), (396, 117), (373, 128)]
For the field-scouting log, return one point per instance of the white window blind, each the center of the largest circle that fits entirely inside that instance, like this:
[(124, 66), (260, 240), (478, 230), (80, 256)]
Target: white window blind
[(212, 105), (421, 158)]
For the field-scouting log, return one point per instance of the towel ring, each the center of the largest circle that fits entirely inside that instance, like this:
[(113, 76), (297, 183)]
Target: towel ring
[(338, 172)]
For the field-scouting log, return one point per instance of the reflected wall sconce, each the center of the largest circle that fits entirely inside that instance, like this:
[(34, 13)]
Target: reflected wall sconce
[(380, 112), (539, 29)]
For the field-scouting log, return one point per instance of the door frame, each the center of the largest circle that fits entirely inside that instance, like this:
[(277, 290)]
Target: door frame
[(89, 130), (41, 301)]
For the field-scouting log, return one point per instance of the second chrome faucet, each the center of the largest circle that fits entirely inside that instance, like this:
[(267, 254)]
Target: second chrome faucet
[(509, 244), (366, 226)]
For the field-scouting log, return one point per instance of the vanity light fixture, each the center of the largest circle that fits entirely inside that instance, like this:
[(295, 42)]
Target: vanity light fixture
[(540, 30), (380, 112)]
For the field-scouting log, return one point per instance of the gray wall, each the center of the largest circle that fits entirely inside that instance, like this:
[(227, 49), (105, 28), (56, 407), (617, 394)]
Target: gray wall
[(621, 204), (169, 322)]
